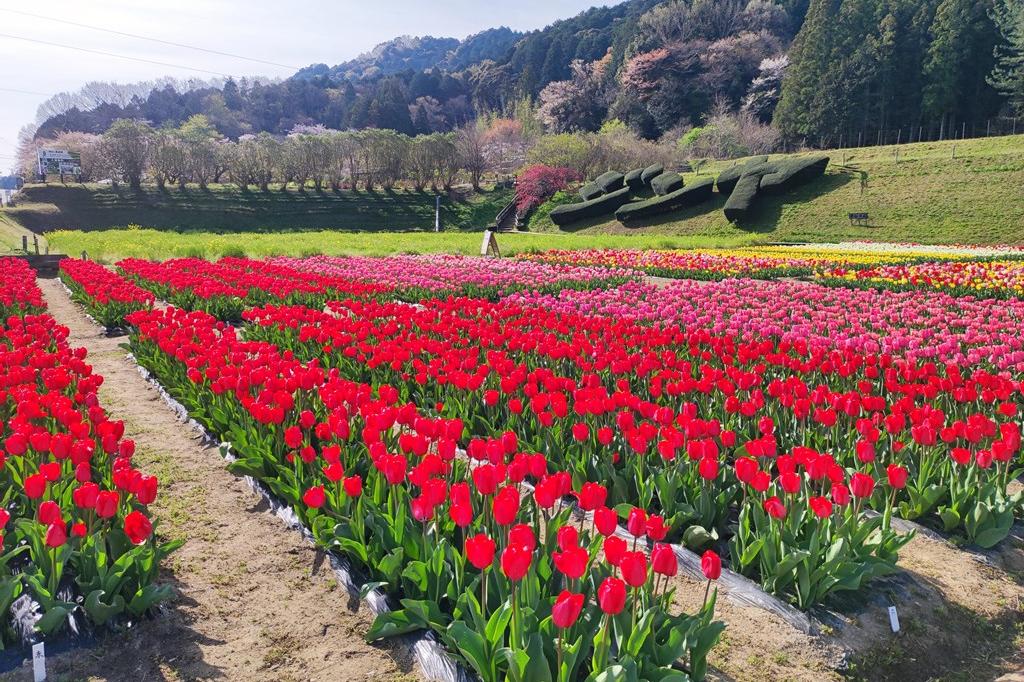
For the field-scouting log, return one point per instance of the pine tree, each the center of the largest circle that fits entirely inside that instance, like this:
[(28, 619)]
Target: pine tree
[(959, 58), (809, 62), (1008, 74)]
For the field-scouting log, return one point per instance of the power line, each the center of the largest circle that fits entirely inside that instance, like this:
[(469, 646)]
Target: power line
[(112, 54), (25, 92), (155, 40)]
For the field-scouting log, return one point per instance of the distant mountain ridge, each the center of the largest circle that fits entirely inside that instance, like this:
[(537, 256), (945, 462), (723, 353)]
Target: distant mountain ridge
[(420, 53)]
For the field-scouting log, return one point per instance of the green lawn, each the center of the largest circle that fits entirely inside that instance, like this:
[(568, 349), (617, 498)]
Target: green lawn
[(925, 196), (225, 208), (111, 245)]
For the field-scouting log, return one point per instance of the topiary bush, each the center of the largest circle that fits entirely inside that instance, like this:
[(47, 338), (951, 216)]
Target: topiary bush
[(728, 178), (610, 181), (791, 173), (741, 199), (603, 205), (666, 183), (590, 191), (697, 193), (651, 172), (634, 179)]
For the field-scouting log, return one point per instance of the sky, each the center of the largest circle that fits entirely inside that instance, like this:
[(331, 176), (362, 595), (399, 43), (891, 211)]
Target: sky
[(292, 35)]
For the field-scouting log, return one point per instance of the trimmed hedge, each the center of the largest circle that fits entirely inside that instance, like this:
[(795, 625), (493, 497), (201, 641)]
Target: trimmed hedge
[(791, 173), (651, 172), (728, 178), (610, 181), (634, 179), (743, 195), (570, 213), (666, 183), (697, 193), (590, 191)]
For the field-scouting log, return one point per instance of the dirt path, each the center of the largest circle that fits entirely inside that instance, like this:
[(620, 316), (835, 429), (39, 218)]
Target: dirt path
[(257, 602)]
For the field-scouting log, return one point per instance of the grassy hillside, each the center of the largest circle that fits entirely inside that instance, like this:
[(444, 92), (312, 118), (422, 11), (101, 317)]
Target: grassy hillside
[(112, 245), (924, 195), (42, 208)]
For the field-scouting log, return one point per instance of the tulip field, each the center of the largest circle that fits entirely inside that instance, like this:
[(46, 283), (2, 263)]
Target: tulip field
[(522, 454), (77, 538)]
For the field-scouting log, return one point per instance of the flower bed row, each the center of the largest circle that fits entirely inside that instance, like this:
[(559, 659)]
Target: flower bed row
[(568, 383), (105, 295), (980, 278), (919, 326), (498, 570), (227, 287), (416, 277), (76, 535)]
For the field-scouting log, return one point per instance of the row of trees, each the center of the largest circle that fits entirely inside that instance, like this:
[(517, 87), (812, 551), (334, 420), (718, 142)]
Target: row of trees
[(134, 152)]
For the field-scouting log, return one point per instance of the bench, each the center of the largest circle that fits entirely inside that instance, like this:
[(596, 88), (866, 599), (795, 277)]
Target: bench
[(858, 218)]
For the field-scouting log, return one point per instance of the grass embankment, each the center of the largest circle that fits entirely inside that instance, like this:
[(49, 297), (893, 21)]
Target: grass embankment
[(925, 194), (112, 245), (227, 209)]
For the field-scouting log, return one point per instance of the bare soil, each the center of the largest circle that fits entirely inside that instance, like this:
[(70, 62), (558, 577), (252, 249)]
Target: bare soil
[(960, 618), (256, 601)]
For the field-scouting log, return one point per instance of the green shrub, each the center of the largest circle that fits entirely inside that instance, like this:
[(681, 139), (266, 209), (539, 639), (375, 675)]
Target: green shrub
[(666, 183), (695, 194), (634, 179), (791, 173), (571, 213), (651, 172), (741, 199), (590, 191), (728, 178), (610, 181)]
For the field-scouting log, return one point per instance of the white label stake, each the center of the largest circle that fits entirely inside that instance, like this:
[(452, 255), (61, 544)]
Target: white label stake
[(894, 619), (38, 662)]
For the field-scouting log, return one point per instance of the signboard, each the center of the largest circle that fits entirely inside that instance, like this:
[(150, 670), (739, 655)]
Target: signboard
[(59, 162)]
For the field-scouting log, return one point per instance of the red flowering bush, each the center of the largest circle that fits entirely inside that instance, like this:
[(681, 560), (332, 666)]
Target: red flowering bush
[(74, 504), (536, 184)]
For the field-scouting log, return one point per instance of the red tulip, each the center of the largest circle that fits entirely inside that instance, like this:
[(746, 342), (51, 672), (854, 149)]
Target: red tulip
[(636, 524), (591, 496), (522, 535), (711, 565), (56, 535), (708, 469), (568, 537), (315, 497), (821, 506), (505, 505), (862, 485), (634, 568), (790, 482), (566, 609), (605, 520), (664, 560), (656, 528), (106, 503), (572, 562), (353, 486), (49, 513), (897, 476), (35, 486), (580, 432), (840, 494), (614, 549), (334, 472), (745, 469), (137, 527), (79, 530), (515, 562), (775, 508), (480, 551), (611, 596)]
